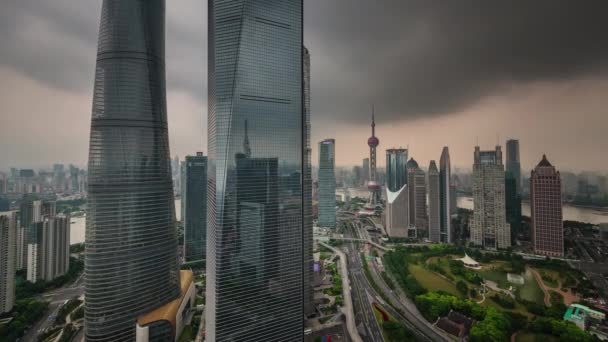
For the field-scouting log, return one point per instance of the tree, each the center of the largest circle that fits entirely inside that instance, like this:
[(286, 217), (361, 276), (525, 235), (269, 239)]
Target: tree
[(462, 287)]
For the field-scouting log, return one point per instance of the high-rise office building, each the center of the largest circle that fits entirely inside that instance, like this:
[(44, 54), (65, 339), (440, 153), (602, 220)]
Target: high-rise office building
[(546, 209), (195, 219), (434, 203), (396, 214), (489, 227), (3, 183), (255, 243), (416, 181), (8, 235), (74, 171), (396, 168), (365, 171), (327, 183), (513, 205), (131, 260), (308, 275), (513, 163), (445, 219), (182, 191)]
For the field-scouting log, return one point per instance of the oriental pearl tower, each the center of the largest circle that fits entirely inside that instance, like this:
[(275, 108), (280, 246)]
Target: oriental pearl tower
[(372, 184)]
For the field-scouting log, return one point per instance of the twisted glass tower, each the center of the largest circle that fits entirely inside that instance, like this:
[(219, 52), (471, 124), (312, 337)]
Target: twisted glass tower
[(256, 214), (131, 261)]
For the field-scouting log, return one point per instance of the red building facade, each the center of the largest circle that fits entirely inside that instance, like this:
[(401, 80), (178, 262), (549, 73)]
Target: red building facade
[(546, 205)]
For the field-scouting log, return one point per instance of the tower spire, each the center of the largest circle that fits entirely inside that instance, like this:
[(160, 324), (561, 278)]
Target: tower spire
[(373, 122), (246, 146)]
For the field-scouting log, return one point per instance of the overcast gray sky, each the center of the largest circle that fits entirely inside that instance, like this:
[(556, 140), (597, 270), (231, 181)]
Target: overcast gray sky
[(439, 72)]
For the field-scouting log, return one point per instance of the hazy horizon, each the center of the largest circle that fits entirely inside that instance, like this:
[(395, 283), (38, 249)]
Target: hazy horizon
[(437, 74)]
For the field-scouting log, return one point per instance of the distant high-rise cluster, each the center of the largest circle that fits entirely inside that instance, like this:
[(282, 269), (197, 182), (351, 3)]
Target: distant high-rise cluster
[(488, 227), (327, 183), (546, 209), (43, 240)]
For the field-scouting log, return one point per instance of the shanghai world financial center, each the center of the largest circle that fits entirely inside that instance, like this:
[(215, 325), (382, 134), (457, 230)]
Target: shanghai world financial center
[(257, 161)]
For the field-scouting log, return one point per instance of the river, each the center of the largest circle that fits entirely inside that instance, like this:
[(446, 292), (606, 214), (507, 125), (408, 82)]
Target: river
[(77, 227), (571, 213), (594, 216)]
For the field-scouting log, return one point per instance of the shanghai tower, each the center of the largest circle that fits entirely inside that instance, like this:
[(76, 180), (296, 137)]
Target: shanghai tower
[(256, 211), (131, 263)]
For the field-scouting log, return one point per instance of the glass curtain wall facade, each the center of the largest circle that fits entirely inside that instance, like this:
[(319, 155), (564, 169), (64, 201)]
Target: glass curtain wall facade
[(195, 220), (513, 163), (309, 304), (131, 262), (396, 168), (255, 198), (445, 174), (327, 183)]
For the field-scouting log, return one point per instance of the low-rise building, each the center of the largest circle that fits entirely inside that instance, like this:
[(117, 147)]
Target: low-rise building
[(167, 322), (581, 315)]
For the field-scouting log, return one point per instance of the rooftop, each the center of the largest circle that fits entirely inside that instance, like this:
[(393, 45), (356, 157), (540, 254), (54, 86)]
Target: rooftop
[(168, 311)]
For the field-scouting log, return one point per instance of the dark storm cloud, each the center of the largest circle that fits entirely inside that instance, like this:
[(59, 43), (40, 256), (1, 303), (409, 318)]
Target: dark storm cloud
[(412, 58), (422, 58), (55, 41)]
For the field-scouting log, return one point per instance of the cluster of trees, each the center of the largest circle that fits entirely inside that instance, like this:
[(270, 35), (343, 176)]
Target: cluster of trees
[(397, 262), (70, 205), (561, 329), (503, 300), (66, 309), (27, 289), (457, 268), (496, 325), (336, 289), (397, 332), (25, 313)]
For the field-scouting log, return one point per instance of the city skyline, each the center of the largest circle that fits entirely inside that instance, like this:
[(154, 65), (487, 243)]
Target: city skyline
[(510, 102)]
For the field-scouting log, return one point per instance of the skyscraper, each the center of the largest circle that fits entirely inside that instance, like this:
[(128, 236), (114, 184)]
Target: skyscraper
[(434, 204), (53, 247), (512, 204), (417, 196), (372, 185), (396, 215), (256, 213), (546, 209), (445, 174), (365, 171), (489, 227), (131, 262), (195, 219), (327, 183), (396, 168), (309, 303), (513, 164), (8, 235)]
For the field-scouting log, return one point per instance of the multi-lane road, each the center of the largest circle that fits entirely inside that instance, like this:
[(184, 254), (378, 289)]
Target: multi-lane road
[(364, 294), (56, 298)]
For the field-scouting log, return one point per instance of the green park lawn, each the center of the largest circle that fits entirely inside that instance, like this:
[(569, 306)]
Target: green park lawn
[(531, 291), (431, 281), (531, 337)]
